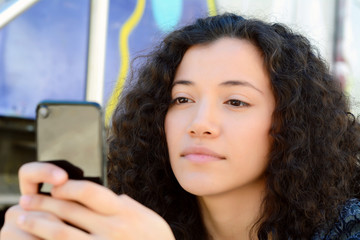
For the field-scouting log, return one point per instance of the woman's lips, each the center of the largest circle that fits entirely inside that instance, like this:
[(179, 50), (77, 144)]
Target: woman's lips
[(201, 155), (201, 158)]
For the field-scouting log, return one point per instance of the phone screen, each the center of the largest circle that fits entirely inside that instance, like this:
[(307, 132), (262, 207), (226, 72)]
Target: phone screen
[(72, 132)]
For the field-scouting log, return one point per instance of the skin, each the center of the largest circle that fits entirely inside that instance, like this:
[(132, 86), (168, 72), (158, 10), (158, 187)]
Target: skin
[(222, 103), (91, 207)]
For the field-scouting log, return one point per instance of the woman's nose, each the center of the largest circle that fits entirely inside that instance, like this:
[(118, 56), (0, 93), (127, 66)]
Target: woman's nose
[(204, 122)]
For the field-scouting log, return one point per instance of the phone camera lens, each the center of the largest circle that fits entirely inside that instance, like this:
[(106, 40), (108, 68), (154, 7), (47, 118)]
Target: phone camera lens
[(44, 112)]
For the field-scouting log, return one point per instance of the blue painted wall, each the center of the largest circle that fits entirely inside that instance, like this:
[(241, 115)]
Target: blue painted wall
[(43, 55), (43, 52)]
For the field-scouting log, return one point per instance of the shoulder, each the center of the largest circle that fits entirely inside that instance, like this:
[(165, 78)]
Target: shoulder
[(348, 225)]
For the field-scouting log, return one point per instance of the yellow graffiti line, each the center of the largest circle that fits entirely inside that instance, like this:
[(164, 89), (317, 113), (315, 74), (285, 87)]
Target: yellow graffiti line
[(127, 28), (349, 84), (212, 7)]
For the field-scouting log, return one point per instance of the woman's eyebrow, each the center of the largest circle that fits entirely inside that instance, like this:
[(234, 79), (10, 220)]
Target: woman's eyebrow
[(240, 83), (182, 82)]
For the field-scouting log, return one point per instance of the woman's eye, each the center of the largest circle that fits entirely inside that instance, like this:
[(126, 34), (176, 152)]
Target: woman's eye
[(237, 103), (181, 100)]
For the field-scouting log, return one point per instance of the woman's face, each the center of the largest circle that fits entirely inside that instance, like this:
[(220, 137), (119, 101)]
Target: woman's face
[(217, 128)]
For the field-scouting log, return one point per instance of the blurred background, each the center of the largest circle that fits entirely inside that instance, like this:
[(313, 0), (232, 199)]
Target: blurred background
[(82, 50)]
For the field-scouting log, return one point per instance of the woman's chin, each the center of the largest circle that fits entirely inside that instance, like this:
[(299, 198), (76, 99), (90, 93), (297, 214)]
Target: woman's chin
[(199, 186)]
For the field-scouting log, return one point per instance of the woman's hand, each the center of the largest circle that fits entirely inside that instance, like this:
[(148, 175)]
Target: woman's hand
[(99, 212), (30, 175), (95, 209)]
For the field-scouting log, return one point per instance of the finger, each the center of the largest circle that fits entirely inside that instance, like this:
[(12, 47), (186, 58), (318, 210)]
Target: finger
[(13, 233), (69, 211), (10, 230), (13, 213), (31, 174), (94, 196), (49, 229)]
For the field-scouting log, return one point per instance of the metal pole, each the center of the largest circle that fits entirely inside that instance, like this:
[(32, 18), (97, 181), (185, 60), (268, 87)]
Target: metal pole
[(97, 49), (14, 10), (341, 66)]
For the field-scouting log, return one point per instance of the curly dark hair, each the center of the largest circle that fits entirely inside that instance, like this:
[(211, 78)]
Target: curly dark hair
[(314, 165)]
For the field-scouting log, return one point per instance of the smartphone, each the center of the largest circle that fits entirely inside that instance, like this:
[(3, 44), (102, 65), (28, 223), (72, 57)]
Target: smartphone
[(71, 135)]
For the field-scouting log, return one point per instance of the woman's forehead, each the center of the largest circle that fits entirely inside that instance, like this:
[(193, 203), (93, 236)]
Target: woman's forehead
[(224, 59)]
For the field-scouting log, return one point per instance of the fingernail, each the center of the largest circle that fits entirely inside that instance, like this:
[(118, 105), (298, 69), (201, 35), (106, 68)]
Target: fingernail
[(25, 200), (21, 219), (58, 175)]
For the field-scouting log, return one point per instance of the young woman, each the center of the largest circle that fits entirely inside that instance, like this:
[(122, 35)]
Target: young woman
[(232, 129)]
